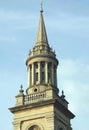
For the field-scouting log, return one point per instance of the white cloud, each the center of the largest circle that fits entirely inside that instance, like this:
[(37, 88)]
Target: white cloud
[(69, 22), (74, 80)]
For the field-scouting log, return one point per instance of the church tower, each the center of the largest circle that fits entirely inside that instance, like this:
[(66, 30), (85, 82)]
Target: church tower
[(41, 108)]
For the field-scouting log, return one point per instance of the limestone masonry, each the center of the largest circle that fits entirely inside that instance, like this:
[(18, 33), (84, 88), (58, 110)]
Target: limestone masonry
[(41, 108)]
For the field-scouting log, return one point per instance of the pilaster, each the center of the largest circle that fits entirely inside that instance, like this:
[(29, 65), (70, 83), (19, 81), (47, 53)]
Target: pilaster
[(50, 122), (17, 125)]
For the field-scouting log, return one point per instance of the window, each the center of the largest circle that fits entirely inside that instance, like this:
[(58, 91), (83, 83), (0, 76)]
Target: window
[(49, 65), (35, 127), (37, 76), (43, 64), (36, 65), (43, 77)]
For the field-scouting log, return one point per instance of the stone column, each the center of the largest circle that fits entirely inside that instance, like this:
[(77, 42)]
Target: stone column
[(46, 72), (29, 82), (33, 74), (55, 76), (52, 74), (39, 73)]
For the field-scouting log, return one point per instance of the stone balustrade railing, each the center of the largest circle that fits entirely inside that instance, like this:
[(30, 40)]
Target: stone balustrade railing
[(34, 97)]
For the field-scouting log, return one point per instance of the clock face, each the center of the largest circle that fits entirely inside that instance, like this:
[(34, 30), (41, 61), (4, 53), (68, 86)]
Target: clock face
[(34, 128)]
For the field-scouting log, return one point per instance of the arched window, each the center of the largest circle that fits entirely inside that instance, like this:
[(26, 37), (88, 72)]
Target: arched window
[(34, 127), (60, 129)]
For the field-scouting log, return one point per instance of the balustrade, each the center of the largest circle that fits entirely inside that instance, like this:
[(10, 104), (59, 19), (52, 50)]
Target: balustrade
[(34, 97)]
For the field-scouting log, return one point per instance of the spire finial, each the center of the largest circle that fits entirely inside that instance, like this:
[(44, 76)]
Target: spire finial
[(41, 8), (63, 96), (21, 89), (41, 35), (62, 92)]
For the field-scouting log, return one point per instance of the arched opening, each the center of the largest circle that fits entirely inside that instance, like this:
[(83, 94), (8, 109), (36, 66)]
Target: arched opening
[(34, 127)]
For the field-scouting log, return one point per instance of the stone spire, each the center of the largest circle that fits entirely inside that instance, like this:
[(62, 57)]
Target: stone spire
[(41, 34), (43, 107), (42, 62)]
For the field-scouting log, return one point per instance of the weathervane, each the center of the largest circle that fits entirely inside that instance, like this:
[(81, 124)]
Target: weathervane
[(41, 9)]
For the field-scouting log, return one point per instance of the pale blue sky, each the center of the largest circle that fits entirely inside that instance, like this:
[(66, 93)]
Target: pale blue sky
[(67, 26)]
